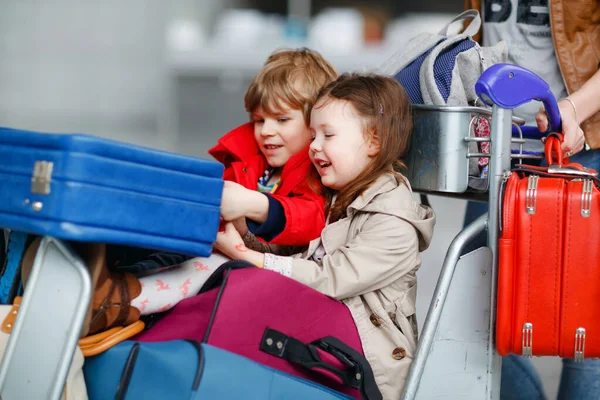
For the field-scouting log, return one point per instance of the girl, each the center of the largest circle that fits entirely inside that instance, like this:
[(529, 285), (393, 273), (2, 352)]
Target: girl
[(368, 253)]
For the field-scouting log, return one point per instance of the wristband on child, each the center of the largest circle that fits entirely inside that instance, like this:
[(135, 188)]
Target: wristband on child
[(281, 265)]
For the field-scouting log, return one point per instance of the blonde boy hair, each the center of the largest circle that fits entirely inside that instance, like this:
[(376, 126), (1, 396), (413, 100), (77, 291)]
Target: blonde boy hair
[(290, 78)]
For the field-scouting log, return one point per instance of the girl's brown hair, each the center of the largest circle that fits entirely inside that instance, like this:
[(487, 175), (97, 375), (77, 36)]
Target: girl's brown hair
[(292, 78), (385, 108)]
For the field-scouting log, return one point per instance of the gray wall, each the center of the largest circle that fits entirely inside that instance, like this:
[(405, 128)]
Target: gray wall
[(84, 66)]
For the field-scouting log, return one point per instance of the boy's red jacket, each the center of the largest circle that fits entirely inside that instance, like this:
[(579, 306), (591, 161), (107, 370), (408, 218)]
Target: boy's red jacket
[(244, 164)]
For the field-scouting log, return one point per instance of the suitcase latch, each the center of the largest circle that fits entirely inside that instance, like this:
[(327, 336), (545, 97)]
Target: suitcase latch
[(586, 198), (579, 344), (527, 339), (41, 178), (531, 194)]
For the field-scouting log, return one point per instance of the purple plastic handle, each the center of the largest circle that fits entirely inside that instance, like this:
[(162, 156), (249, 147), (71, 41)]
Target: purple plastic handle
[(529, 132), (509, 86)]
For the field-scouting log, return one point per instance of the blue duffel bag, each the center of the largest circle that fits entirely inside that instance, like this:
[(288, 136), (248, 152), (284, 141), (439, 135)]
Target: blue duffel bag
[(185, 369)]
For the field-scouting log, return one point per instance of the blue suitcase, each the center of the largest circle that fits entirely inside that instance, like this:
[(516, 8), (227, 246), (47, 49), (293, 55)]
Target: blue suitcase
[(80, 187), (181, 369)]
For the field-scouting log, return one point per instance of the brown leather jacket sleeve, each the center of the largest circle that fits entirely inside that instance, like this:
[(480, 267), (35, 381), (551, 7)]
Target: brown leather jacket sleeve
[(474, 4)]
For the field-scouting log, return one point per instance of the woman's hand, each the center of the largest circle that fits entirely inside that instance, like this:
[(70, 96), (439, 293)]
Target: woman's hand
[(574, 139), (230, 243)]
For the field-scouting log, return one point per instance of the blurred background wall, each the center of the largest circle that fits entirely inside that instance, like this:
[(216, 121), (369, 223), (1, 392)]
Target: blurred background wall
[(86, 66), (172, 74)]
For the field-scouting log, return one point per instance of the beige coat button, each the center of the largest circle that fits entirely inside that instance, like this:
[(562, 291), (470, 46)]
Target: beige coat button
[(375, 319), (399, 353)]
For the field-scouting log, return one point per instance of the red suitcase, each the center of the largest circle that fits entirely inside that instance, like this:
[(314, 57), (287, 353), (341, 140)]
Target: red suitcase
[(549, 261)]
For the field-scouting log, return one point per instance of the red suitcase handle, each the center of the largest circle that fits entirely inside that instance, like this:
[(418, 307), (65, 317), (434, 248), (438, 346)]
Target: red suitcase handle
[(552, 148)]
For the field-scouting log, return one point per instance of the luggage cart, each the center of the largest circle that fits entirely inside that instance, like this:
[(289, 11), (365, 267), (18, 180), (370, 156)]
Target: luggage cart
[(456, 356), (458, 331)]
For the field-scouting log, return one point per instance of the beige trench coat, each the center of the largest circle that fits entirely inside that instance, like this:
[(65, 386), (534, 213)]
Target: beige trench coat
[(370, 264)]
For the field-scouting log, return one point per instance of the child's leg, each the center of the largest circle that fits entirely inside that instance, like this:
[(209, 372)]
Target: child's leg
[(162, 291)]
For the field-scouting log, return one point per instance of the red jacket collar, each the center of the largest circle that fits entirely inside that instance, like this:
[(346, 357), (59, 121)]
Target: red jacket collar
[(240, 145), (295, 161), (237, 145)]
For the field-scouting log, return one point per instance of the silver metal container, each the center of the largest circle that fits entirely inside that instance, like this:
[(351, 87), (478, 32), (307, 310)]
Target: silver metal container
[(438, 159)]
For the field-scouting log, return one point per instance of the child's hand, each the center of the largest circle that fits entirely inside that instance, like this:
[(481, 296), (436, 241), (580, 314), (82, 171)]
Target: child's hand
[(237, 201), (241, 226), (233, 201), (230, 243)]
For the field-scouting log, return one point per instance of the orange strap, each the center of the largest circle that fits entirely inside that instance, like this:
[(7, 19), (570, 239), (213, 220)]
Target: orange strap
[(100, 342), (98, 337), (9, 321), (90, 345)]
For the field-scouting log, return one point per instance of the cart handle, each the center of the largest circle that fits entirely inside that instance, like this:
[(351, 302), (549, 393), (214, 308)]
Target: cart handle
[(528, 132), (509, 86)]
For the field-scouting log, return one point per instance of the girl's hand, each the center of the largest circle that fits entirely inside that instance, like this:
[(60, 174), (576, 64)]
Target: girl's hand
[(573, 134), (230, 243)]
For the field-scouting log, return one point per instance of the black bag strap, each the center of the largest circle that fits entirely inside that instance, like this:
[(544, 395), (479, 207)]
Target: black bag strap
[(131, 362), (219, 279), (358, 375), (216, 280)]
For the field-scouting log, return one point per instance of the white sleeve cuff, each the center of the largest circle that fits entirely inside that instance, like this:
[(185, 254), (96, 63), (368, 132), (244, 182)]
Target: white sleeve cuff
[(281, 265)]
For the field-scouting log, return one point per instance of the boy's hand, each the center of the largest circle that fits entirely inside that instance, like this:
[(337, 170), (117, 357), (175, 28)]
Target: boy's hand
[(241, 226), (233, 201), (237, 202)]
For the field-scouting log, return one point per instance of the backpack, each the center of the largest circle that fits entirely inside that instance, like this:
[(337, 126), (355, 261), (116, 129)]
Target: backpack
[(441, 69)]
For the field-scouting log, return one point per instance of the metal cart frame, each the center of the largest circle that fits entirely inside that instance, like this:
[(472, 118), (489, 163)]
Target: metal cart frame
[(460, 325), (46, 331), (477, 285)]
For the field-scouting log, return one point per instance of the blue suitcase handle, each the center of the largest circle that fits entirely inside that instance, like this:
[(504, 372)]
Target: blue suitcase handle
[(510, 86)]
